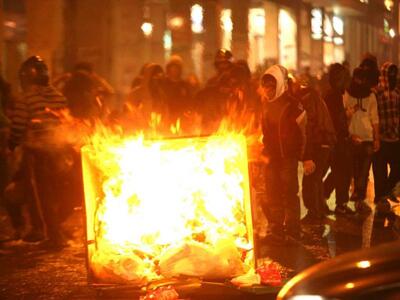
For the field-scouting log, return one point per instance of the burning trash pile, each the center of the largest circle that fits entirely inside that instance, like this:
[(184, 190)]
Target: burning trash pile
[(164, 208)]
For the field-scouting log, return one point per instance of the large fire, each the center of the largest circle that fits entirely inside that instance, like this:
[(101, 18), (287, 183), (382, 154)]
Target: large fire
[(166, 208)]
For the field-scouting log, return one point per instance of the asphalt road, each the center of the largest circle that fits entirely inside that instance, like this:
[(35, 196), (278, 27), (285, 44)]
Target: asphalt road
[(29, 272)]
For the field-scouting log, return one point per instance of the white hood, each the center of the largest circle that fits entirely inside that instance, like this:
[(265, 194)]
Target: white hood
[(280, 75)]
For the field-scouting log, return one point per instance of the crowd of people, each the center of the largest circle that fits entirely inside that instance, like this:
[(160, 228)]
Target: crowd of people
[(340, 125)]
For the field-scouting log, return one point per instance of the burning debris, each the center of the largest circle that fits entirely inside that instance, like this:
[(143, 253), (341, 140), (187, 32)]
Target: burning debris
[(167, 208)]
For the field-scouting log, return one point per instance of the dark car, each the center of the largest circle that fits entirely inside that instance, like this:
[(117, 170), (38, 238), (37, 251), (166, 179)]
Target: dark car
[(372, 273)]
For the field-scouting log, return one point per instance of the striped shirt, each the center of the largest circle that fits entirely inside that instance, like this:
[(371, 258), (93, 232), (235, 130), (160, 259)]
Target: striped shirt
[(34, 121)]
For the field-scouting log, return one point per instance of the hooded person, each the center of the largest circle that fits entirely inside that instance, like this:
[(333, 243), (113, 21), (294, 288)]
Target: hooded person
[(283, 124), (177, 90), (340, 163), (321, 138), (370, 65), (150, 94), (362, 111), (388, 98), (212, 101), (222, 62), (80, 92)]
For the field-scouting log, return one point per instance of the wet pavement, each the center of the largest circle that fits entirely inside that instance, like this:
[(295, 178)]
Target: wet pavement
[(29, 272)]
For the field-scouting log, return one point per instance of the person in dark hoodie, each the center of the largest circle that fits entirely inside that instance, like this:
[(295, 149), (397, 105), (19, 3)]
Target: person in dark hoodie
[(34, 126), (284, 139), (362, 111), (340, 163), (178, 93), (321, 138), (370, 65), (150, 94), (222, 63), (388, 98)]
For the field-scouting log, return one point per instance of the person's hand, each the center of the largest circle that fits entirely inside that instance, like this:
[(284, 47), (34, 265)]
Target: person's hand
[(376, 145), (356, 139), (265, 159), (350, 111), (308, 167)]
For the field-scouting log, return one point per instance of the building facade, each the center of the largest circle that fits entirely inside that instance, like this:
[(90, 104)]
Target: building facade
[(118, 37)]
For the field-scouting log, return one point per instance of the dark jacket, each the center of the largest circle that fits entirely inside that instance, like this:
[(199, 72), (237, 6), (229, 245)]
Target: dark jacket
[(319, 127), (334, 102), (283, 136), (178, 97)]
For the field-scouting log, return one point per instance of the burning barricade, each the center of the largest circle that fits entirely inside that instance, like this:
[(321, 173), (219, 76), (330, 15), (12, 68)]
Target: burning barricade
[(165, 208)]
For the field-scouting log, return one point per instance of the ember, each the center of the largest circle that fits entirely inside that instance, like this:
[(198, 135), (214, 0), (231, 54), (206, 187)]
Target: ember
[(160, 209)]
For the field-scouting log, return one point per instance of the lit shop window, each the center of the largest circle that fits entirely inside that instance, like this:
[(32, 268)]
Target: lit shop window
[(256, 37), (176, 23), (333, 39), (364, 1), (196, 15), (316, 23), (386, 26), (167, 41), (337, 25), (197, 51), (227, 26), (338, 28), (287, 40), (328, 29), (389, 4), (147, 28)]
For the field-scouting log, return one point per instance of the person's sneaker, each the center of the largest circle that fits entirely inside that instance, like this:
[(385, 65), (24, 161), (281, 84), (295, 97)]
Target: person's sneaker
[(327, 211), (343, 210), (354, 197)]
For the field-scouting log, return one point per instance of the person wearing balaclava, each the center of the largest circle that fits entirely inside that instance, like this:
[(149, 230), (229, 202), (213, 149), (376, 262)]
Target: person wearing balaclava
[(339, 177), (177, 90), (222, 63), (362, 111), (321, 138), (370, 65), (150, 94), (388, 97), (283, 125)]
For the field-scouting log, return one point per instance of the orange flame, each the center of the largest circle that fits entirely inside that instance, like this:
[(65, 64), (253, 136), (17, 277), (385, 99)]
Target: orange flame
[(161, 207)]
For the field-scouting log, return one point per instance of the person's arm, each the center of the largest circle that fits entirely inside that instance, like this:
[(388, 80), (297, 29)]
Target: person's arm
[(61, 79), (308, 163), (301, 121), (347, 107), (102, 84), (374, 117), (265, 155), (19, 123)]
